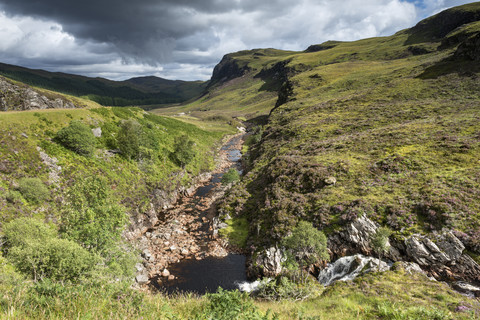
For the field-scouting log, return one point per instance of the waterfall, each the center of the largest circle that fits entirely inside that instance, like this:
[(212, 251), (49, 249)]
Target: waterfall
[(348, 268)]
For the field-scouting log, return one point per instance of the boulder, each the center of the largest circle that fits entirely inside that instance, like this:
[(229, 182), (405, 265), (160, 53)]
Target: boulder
[(142, 279), (97, 132)]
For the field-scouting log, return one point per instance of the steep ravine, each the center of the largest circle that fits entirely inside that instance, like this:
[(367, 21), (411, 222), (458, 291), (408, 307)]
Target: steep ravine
[(184, 230)]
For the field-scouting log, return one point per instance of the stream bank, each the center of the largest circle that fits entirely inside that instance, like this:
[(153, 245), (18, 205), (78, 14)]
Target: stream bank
[(180, 249)]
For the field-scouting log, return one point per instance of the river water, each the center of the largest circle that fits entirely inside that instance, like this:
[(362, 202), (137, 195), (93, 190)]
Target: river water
[(206, 275)]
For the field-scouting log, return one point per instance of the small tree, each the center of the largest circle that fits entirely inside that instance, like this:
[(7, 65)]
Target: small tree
[(93, 218), (379, 242), (183, 150), (128, 138), (306, 244), (77, 137)]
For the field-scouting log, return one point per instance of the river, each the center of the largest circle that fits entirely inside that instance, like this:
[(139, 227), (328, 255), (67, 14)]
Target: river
[(187, 257)]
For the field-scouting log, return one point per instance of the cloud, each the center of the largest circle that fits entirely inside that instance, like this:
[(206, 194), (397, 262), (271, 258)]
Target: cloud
[(184, 38)]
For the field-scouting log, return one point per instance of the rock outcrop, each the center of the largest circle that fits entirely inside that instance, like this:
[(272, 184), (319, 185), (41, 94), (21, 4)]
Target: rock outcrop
[(267, 263), (441, 256), (17, 98), (355, 238), (469, 49)]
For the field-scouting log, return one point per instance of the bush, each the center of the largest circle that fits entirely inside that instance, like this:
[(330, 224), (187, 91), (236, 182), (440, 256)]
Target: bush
[(33, 189), (32, 247), (93, 218), (128, 138), (135, 141), (77, 137), (22, 231), (183, 150), (56, 259), (230, 176), (283, 288), (307, 244), (227, 305)]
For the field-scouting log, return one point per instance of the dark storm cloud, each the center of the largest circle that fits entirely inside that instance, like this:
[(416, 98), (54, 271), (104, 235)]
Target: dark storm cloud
[(114, 36)]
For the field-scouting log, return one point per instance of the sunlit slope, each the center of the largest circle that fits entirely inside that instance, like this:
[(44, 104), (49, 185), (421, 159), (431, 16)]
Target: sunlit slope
[(394, 121)]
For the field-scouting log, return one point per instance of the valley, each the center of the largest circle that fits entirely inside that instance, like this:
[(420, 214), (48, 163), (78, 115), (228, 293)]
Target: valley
[(288, 172)]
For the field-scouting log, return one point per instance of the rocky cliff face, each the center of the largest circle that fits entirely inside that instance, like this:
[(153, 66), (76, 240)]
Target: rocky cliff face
[(441, 255), (227, 69), (14, 97)]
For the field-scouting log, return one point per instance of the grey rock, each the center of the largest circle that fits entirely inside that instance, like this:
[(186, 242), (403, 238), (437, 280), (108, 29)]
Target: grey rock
[(270, 262), (139, 267), (450, 245), (330, 180), (142, 279), (97, 132)]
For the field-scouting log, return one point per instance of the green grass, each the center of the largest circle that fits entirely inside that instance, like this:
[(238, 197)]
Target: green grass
[(236, 232), (132, 181), (368, 297)]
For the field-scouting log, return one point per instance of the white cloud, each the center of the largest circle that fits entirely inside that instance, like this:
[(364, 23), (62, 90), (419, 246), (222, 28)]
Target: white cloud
[(189, 38)]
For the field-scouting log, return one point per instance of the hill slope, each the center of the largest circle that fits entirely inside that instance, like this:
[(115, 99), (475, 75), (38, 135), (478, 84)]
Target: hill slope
[(383, 128), (136, 91)]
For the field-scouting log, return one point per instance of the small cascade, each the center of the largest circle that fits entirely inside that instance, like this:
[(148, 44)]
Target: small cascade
[(348, 268)]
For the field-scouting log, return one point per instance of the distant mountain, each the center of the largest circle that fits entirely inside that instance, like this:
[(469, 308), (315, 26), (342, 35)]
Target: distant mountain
[(136, 91)]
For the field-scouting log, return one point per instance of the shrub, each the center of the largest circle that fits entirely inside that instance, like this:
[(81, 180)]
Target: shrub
[(135, 141), (306, 243), (230, 176), (77, 137), (93, 218), (33, 189), (33, 248), (227, 305), (183, 150), (56, 259), (128, 138), (22, 231), (283, 288)]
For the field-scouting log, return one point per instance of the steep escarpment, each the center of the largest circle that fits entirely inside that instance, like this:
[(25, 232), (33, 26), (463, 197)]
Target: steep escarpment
[(365, 134)]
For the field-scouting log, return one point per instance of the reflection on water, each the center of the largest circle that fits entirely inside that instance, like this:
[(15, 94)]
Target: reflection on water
[(201, 276)]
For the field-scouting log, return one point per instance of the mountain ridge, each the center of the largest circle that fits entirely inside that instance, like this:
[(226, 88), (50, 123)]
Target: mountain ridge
[(135, 91)]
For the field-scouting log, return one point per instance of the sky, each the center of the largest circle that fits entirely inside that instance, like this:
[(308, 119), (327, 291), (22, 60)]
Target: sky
[(185, 39)]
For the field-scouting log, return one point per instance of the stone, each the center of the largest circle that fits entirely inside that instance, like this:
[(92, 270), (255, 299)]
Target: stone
[(147, 254), (171, 277), (172, 248), (139, 267), (184, 252), (330, 181), (165, 273), (142, 279), (97, 132)]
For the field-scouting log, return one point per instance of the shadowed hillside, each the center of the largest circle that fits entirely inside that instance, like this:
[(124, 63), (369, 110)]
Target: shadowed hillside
[(136, 91)]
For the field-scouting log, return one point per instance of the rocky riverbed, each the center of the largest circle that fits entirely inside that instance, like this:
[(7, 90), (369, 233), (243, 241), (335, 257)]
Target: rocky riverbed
[(186, 230)]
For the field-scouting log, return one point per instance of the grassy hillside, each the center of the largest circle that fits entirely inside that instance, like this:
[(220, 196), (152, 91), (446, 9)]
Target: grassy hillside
[(22, 133), (135, 91), (396, 125), (368, 297)]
